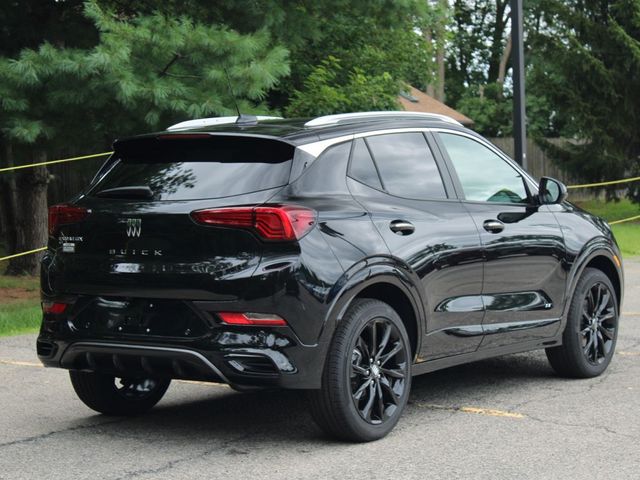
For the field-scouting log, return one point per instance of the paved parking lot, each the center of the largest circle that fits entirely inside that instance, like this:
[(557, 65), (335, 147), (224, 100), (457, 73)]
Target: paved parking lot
[(503, 418)]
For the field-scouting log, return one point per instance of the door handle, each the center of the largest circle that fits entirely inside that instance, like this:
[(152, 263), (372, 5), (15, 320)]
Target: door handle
[(493, 226), (402, 227)]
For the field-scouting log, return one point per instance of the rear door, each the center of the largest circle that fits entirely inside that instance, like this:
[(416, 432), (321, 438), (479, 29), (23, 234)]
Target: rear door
[(524, 274), (410, 199), (139, 238)]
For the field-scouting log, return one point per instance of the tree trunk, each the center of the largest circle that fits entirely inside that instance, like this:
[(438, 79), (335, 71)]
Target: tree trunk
[(428, 37), (504, 61), (441, 70), (31, 218), (498, 35), (9, 204), (436, 89)]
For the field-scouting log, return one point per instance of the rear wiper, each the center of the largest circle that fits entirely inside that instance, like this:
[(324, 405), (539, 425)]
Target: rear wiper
[(126, 192)]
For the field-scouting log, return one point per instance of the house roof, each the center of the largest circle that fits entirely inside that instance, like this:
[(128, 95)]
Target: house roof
[(428, 104)]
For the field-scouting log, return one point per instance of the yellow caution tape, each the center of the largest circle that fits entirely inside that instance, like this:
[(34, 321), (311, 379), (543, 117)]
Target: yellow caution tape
[(51, 162), (630, 219), (94, 155), (602, 184), (23, 253)]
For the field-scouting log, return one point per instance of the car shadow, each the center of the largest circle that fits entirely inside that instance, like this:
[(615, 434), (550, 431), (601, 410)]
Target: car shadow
[(283, 416)]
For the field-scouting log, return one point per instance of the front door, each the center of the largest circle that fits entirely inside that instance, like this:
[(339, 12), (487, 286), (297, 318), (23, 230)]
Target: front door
[(524, 279)]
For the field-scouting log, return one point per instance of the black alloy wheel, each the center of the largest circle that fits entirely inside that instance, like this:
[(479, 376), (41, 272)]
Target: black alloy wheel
[(367, 377), (598, 326), (589, 338), (378, 371)]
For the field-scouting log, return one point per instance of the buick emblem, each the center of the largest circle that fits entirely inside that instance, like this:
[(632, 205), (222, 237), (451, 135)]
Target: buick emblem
[(134, 227)]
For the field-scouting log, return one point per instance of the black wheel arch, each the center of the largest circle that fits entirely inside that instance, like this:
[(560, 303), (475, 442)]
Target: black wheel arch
[(386, 279), (600, 255)]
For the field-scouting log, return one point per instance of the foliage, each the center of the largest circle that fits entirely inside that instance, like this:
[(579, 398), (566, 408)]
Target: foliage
[(323, 94), (359, 50), (144, 73), (491, 112), (591, 74), (375, 37), (479, 33)]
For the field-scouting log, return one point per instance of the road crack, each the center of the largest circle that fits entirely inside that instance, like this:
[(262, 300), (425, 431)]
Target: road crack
[(44, 436)]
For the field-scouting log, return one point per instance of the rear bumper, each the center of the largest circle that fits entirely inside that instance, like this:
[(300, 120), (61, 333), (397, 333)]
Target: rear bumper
[(249, 357)]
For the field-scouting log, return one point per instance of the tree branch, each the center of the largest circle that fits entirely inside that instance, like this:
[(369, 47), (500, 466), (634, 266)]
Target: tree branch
[(175, 58)]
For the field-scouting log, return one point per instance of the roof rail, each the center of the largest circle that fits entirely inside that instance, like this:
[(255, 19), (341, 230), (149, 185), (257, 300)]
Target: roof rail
[(363, 116), (207, 122)]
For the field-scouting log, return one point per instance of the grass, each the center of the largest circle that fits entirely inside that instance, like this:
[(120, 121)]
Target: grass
[(31, 284), (628, 237), (627, 234), (611, 211), (19, 315)]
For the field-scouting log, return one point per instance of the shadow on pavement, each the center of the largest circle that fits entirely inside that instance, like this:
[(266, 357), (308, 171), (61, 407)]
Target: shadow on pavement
[(283, 416)]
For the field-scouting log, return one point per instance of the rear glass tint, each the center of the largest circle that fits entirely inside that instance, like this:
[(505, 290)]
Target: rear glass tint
[(190, 169)]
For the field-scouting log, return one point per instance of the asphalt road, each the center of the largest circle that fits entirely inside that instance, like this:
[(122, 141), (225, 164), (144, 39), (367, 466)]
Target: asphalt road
[(504, 418)]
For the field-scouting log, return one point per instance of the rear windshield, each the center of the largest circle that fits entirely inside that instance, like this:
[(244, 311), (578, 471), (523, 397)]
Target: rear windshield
[(191, 169)]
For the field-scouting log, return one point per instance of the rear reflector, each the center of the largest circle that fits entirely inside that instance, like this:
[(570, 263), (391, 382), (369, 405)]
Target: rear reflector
[(261, 319), (53, 307), (276, 223), (65, 215)]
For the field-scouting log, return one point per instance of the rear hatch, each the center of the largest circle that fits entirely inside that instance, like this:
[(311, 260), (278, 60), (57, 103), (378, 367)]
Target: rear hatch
[(132, 234)]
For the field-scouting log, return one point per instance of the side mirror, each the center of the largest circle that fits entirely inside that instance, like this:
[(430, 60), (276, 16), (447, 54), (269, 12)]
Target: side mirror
[(551, 191)]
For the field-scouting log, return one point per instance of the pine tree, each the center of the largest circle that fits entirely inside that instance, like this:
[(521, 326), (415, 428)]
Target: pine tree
[(589, 71)]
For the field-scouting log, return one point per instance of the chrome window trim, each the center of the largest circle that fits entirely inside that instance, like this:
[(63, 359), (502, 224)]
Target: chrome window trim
[(316, 148)]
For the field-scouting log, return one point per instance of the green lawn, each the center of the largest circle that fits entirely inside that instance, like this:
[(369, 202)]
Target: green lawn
[(627, 234), (628, 237), (31, 284), (22, 314), (611, 211), (20, 317)]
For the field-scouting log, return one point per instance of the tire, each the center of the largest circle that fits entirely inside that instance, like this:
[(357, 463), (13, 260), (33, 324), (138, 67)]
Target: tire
[(362, 401), (114, 396), (589, 338)]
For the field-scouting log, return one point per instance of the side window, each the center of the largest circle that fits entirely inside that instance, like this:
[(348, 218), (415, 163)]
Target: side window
[(485, 177), (407, 167), (362, 167)]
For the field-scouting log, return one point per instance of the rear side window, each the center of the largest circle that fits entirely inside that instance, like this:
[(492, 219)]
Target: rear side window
[(362, 167), (208, 167), (407, 167)]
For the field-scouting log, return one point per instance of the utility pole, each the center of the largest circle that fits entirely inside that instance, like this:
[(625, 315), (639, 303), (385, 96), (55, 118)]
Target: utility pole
[(519, 115)]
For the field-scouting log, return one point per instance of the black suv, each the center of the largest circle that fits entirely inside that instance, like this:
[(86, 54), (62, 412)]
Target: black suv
[(340, 255)]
